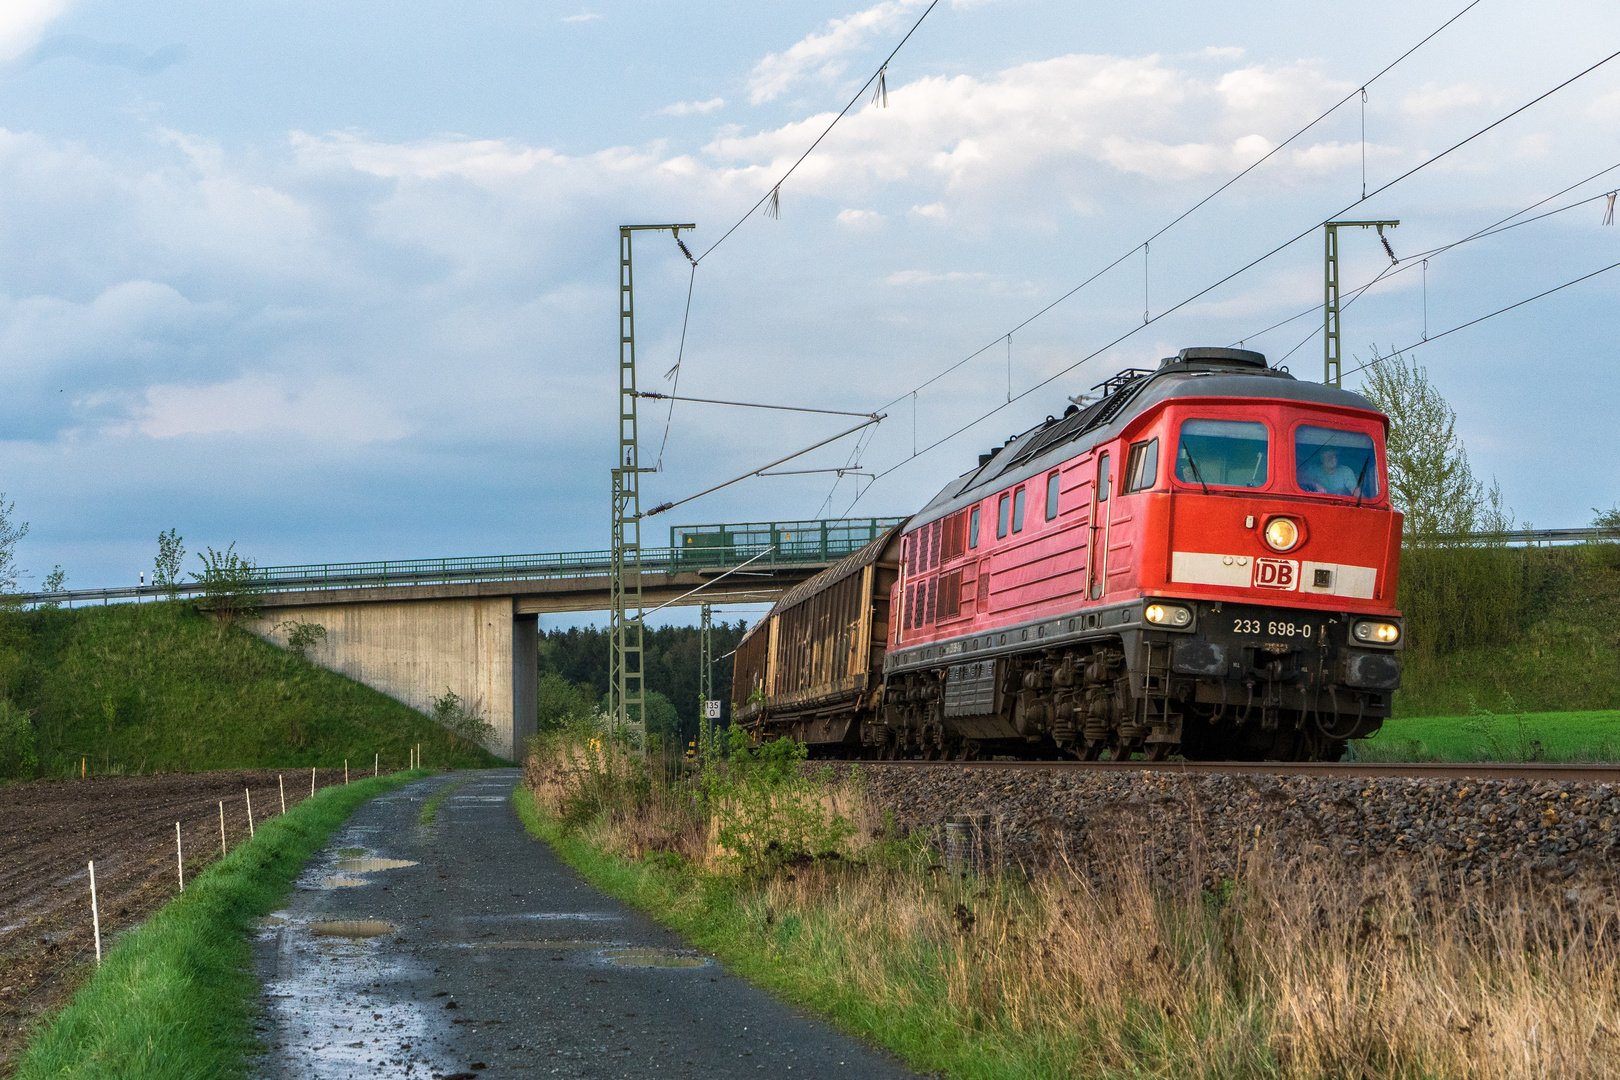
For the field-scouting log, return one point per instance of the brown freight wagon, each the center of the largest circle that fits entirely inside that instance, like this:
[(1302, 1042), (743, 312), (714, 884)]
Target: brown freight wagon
[(818, 655)]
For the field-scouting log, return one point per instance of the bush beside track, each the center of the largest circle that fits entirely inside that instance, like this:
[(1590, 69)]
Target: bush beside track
[(173, 999)]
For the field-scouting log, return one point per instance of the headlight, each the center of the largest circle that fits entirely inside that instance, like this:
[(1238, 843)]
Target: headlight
[(1376, 633), (1281, 534), (1167, 615)]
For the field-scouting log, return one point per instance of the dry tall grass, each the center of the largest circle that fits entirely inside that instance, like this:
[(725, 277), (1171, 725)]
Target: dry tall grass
[(1292, 968)]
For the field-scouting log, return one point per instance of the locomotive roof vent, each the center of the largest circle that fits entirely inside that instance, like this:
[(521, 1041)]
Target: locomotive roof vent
[(1220, 357)]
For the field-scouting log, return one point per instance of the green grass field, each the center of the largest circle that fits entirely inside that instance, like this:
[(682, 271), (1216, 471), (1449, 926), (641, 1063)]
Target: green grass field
[(160, 688), (1541, 736)]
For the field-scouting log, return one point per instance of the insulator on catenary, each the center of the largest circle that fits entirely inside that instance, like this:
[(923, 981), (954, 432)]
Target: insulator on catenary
[(1387, 248), (682, 245)]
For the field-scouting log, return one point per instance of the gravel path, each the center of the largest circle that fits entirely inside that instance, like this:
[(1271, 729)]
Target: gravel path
[(1472, 830), (485, 956)]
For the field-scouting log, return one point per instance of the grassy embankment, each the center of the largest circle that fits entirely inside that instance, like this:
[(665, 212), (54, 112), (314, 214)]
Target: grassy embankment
[(1511, 654), (174, 999), (160, 688), (1292, 970)]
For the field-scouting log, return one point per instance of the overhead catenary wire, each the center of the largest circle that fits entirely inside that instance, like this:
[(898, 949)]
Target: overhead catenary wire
[(1475, 322), (774, 194), (1496, 228), (1197, 205), (876, 418), (1253, 262), (749, 404)]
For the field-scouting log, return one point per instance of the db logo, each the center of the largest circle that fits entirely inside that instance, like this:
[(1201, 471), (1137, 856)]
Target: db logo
[(1276, 574)]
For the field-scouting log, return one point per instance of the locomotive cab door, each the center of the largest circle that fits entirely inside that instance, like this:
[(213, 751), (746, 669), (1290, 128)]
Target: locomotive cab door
[(1097, 547)]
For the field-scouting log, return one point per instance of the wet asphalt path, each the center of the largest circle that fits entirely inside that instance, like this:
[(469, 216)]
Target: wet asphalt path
[(491, 958)]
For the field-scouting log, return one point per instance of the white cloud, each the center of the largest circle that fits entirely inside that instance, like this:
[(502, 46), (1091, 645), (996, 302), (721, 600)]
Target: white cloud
[(325, 411), (1432, 99), (23, 21), (859, 219), (1606, 107), (687, 108), (819, 54), (933, 211), (927, 277), (584, 16), (1223, 52)]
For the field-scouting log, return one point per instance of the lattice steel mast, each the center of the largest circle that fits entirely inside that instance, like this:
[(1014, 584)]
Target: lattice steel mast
[(1331, 365), (626, 688)]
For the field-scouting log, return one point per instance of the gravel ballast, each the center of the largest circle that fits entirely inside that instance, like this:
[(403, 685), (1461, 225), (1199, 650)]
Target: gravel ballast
[(1473, 831)]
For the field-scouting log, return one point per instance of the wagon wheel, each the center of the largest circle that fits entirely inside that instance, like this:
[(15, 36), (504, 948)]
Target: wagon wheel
[(1090, 750), (1120, 751), (1158, 751)]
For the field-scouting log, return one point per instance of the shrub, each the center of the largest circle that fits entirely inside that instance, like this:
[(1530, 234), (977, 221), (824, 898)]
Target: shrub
[(768, 810), (451, 712), (230, 586), (18, 757), (301, 636)]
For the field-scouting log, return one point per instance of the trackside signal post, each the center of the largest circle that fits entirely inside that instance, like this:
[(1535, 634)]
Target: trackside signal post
[(1331, 366), (626, 687)]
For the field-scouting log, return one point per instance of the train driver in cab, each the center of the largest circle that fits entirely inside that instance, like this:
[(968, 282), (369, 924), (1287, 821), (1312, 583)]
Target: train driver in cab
[(1330, 477)]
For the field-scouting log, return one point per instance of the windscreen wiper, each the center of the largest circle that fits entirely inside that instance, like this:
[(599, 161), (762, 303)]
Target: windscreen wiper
[(1196, 474), (1362, 475)]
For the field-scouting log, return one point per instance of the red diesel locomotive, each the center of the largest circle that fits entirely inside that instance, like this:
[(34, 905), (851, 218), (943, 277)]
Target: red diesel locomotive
[(1204, 560)]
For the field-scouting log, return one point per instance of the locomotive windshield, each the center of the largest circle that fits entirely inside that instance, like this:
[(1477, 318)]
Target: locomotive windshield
[(1335, 462), (1226, 453)]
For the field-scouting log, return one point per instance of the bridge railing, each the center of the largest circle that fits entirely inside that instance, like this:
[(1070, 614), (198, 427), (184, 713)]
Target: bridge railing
[(771, 544)]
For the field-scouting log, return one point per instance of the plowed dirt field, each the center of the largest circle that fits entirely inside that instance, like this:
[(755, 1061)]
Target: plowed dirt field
[(49, 832)]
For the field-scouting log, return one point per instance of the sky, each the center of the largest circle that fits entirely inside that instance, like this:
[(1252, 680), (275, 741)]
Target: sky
[(337, 282)]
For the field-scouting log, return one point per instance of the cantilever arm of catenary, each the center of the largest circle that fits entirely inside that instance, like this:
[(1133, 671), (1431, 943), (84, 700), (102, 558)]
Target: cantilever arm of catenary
[(750, 404), (711, 581), (876, 418)]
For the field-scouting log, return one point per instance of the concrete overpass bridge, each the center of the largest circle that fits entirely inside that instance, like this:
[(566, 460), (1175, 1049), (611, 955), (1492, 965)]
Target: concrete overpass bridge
[(413, 628)]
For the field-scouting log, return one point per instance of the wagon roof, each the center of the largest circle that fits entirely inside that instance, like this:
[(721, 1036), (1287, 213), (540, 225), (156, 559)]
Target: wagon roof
[(838, 571)]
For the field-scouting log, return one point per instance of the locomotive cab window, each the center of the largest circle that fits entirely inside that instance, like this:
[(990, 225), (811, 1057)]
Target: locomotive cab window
[(1102, 478), (1002, 508), (1051, 495), (1223, 453), (1142, 466), (973, 528), (1018, 510), (1329, 461)]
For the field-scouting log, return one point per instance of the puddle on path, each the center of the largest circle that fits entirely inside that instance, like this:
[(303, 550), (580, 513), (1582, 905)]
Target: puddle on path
[(542, 946), (645, 957), (367, 865), (342, 882), (583, 916), (352, 928)]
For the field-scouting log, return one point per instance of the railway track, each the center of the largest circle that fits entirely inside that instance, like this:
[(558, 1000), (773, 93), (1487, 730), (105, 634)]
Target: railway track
[(1416, 770)]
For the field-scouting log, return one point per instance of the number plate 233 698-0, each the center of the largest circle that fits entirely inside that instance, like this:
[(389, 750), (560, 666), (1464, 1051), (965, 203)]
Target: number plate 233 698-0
[(1273, 628)]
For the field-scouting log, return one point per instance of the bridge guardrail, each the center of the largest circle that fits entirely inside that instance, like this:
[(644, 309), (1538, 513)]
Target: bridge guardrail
[(379, 574)]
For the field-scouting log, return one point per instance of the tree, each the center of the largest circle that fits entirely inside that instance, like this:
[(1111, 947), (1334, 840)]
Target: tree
[(231, 587), (9, 535), (1430, 480), (166, 568)]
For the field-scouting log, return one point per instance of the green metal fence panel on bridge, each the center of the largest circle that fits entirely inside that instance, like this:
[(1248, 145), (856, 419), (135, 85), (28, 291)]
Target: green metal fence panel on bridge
[(786, 542)]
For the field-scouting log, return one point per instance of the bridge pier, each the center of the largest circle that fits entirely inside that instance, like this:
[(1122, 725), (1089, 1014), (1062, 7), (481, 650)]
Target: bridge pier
[(482, 648)]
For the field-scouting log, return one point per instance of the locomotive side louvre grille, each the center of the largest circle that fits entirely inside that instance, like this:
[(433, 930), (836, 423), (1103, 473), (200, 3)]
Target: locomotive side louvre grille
[(1087, 419), (984, 585), (970, 689), (919, 593), (934, 531), (933, 600), (950, 601), (908, 603)]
